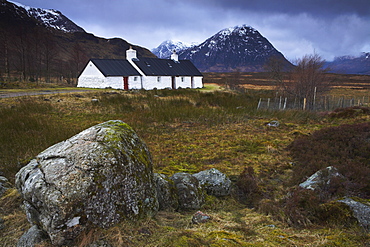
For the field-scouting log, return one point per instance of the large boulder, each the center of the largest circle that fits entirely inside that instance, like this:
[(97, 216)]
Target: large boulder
[(189, 191), (166, 192), (360, 210), (215, 182), (98, 177)]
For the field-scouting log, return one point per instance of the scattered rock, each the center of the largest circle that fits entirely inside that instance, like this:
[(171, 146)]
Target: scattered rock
[(360, 210), (273, 124), (4, 185), (200, 217), (94, 100), (166, 192), (189, 191), (98, 177), (321, 178), (32, 237), (215, 182)]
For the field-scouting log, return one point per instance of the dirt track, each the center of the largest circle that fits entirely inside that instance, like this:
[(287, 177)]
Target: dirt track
[(5, 94)]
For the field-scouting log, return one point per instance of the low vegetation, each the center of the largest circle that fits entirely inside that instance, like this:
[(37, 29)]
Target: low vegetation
[(193, 130)]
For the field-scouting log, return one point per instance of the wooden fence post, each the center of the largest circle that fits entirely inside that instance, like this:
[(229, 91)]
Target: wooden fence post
[(285, 103), (259, 104)]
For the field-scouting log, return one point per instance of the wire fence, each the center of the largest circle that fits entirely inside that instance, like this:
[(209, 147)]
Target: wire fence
[(322, 103)]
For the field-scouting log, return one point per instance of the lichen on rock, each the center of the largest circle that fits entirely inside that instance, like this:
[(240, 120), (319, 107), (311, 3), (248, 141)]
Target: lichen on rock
[(166, 192), (215, 182), (98, 177), (189, 190)]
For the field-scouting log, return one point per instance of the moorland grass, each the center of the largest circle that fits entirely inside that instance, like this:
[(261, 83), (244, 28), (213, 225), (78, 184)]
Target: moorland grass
[(185, 130)]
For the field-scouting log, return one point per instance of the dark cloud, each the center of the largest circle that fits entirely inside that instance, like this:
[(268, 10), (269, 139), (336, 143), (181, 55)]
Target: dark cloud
[(295, 27), (313, 7)]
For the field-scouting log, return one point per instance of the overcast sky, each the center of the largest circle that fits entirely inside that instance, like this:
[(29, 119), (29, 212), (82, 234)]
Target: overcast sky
[(295, 27)]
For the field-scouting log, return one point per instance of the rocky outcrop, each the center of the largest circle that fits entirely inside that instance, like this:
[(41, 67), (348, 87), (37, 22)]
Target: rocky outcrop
[(166, 192), (96, 178), (321, 179), (360, 210), (189, 191), (214, 182)]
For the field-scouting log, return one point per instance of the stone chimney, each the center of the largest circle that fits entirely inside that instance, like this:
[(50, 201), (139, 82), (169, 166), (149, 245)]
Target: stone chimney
[(130, 54), (174, 56)]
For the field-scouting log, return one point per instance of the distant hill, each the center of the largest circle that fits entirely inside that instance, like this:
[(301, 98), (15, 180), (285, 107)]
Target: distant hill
[(44, 44), (351, 64)]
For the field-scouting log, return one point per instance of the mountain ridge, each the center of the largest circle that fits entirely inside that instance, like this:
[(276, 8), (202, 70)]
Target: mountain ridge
[(50, 18), (240, 48), (166, 48), (350, 64)]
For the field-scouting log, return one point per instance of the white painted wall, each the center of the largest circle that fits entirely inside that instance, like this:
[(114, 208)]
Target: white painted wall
[(135, 84), (183, 82), (198, 81), (90, 77), (151, 82)]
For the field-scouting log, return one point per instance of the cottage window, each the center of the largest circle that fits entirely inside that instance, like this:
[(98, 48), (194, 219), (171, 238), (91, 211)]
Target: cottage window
[(182, 79), (158, 79), (135, 78)]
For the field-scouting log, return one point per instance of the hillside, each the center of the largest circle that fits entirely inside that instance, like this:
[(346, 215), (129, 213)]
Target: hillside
[(45, 45)]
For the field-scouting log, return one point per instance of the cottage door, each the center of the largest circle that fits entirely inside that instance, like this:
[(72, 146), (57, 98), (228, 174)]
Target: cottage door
[(125, 83), (173, 82)]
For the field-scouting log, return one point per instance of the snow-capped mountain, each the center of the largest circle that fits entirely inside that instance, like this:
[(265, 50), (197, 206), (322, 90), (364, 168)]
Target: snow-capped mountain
[(238, 48), (165, 49), (351, 64), (50, 18)]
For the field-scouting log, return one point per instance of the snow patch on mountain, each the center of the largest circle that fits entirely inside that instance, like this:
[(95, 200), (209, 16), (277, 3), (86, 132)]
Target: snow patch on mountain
[(51, 18), (166, 48)]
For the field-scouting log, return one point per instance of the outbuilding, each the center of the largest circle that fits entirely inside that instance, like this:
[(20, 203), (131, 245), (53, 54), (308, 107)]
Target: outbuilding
[(140, 73)]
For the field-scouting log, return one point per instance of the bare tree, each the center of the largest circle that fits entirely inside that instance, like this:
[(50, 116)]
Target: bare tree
[(304, 81), (308, 78)]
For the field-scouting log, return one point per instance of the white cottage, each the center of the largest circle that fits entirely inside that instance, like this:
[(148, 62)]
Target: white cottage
[(140, 73)]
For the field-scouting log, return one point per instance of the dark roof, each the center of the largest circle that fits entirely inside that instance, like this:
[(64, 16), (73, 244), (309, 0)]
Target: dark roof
[(166, 67), (115, 67)]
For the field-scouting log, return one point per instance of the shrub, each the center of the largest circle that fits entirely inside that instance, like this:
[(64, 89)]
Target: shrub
[(346, 147), (300, 207), (248, 191)]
